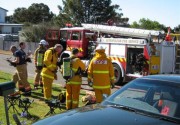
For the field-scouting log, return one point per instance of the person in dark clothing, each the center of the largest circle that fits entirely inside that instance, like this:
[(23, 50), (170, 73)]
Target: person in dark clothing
[(21, 75)]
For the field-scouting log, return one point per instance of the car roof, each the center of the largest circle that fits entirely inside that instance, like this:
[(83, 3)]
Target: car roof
[(164, 77)]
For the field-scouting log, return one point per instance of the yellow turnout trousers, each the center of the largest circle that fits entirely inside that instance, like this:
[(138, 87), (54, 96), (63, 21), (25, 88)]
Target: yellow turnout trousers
[(47, 87), (99, 94), (72, 95), (37, 78), (21, 77)]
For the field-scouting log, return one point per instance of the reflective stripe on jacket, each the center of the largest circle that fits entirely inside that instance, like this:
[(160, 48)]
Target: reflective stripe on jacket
[(39, 56), (101, 71)]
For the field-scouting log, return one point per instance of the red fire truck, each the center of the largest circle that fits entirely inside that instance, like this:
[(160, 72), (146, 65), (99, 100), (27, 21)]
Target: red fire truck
[(133, 52), (73, 37)]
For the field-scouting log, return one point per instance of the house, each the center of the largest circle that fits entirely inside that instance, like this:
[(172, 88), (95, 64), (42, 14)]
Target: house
[(8, 28)]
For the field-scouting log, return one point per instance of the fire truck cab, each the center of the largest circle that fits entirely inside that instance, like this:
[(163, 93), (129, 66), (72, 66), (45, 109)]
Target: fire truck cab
[(73, 37), (77, 37)]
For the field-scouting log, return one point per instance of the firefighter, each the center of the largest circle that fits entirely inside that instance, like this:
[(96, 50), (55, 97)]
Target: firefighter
[(38, 61), (49, 70), (101, 74), (73, 85), (21, 74)]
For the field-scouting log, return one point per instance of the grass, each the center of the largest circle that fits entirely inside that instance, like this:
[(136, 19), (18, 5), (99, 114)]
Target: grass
[(37, 109)]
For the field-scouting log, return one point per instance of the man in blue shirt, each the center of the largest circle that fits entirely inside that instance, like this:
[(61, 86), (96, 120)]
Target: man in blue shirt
[(21, 75)]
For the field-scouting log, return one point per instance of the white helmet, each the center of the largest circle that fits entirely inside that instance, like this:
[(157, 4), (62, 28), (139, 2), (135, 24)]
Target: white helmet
[(100, 47), (43, 42)]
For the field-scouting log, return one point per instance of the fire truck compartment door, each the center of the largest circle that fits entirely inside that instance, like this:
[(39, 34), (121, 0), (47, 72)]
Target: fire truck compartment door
[(167, 59)]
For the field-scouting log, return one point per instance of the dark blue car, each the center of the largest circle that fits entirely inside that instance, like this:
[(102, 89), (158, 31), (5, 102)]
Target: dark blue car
[(150, 100)]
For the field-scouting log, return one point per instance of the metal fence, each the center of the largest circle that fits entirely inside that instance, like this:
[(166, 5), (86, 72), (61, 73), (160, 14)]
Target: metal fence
[(5, 45)]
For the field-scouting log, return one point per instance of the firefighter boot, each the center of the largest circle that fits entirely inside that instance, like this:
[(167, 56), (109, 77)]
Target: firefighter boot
[(35, 86), (27, 91)]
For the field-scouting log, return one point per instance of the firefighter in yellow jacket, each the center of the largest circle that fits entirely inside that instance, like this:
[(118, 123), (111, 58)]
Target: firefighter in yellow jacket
[(49, 70), (101, 74), (73, 85), (38, 61)]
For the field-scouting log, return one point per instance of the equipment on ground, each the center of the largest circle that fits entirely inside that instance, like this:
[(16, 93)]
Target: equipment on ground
[(13, 100), (25, 104), (62, 97), (53, 104), (89, 98)]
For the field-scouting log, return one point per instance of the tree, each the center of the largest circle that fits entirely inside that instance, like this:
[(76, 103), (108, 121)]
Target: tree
[(34, 33), (37, 19), (20, 15), (148, 24), (89, 11), (9, 19), (177, 29), (61, 19), (35, 14), (39, 13), (135, 25)]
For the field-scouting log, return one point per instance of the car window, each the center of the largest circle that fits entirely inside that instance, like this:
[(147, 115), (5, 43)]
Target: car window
[(69, 35), (63, 34), (76, 35), (151, 96), (138, 94)]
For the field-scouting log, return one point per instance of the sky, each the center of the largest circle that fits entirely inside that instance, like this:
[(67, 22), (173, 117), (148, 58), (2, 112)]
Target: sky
[(166, 12)]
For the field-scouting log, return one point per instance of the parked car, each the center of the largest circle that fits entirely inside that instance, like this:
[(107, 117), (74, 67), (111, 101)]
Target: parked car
[(149, 100)]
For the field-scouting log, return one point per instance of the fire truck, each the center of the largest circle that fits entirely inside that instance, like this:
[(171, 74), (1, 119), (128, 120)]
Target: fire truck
[(133, 52)]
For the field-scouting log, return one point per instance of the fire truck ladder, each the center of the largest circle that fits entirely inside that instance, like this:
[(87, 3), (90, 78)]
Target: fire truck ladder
[(177, 62), (130, 32)]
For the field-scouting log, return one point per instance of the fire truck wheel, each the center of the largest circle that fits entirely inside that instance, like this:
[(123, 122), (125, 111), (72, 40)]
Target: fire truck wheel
[(118, 75)]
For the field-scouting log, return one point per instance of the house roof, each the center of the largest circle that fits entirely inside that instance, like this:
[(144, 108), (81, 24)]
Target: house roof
[(3, 9)]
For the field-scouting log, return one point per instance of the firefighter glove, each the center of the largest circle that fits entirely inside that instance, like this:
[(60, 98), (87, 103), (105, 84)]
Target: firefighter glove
[(112, 86), (28, 60), (39, 67), (13, 64)]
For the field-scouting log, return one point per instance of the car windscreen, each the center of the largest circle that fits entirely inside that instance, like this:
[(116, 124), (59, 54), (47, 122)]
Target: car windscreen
[(159, 97)]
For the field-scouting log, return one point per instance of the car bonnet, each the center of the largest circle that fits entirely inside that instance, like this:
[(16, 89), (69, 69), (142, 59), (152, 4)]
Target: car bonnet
[(101, 115)]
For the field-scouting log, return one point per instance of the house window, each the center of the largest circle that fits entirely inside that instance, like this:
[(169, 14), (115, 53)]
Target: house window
[(16, 29), (0, 18)]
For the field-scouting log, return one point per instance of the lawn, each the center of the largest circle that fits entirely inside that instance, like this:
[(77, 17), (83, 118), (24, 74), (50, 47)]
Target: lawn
[(38, 108)]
